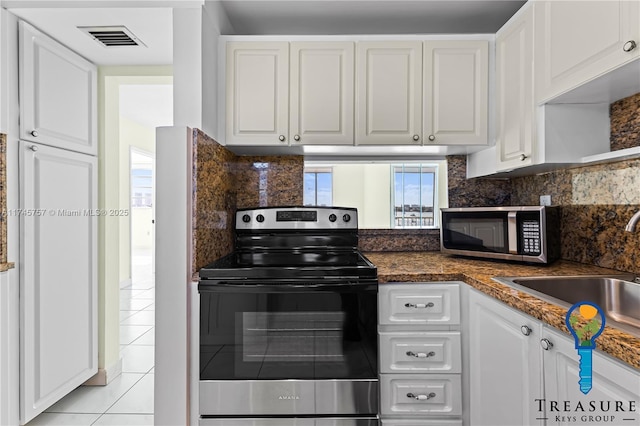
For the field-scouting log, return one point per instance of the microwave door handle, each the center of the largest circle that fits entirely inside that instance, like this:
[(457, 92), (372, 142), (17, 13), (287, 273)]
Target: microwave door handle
[(512, 232)]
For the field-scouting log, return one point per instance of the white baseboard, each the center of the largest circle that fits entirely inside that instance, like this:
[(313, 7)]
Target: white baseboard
[(125, 283), (104, 376)]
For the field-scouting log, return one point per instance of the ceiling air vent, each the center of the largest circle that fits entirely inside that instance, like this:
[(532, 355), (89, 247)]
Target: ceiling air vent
[(119, 36)]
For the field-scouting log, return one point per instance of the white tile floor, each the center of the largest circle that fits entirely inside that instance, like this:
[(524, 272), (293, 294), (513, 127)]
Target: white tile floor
[(128, 399)]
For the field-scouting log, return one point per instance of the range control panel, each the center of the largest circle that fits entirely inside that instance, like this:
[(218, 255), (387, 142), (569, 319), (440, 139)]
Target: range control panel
[(530, 241), (297, 218)]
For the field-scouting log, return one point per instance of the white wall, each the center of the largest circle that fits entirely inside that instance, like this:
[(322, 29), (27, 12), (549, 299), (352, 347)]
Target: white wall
[(173, 269), (196, 34), (113, 189), (366, 187)]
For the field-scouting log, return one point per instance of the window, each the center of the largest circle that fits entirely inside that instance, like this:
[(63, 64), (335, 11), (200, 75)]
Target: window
[(318, 187), (414, 195), (141, 187)]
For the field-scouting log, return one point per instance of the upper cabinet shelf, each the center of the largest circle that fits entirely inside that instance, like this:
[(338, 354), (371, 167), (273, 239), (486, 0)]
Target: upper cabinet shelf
[(559, 66), (357, 93)]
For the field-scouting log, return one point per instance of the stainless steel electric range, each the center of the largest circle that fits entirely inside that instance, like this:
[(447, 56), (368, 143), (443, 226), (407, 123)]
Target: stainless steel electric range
[(288, 323)]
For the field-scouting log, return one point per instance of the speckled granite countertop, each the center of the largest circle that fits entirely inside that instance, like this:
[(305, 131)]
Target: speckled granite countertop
[(434, 266)]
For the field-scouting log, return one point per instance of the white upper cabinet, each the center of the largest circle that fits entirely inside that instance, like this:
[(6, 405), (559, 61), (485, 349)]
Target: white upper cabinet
[(577, 41), (357, 92), (514, 77), (389, 93), (58, 94), (456, 92), (322, 93), (257, 93)]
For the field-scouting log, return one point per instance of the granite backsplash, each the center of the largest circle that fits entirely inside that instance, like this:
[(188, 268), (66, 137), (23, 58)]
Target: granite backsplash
[(596, 201), (625, 123), (596, 204), (224, 182)]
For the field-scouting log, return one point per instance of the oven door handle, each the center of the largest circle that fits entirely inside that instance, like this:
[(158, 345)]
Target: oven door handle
[(254, 287)]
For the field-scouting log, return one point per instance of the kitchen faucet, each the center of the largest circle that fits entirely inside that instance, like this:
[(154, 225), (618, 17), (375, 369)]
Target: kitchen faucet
[(631, 226)]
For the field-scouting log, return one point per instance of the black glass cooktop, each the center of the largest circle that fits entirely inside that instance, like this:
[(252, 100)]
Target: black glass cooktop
[(234, 266)]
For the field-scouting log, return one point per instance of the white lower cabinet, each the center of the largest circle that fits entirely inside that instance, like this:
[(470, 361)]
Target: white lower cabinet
[(523, 372), (505, 364), (420, 354), (435, 394), (58, 274), (615, 384)]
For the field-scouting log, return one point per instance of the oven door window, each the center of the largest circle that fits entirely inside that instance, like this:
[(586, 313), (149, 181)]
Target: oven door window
[(254, 335)]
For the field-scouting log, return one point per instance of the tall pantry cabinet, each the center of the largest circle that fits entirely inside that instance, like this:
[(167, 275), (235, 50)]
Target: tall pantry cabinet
[(58, 223)]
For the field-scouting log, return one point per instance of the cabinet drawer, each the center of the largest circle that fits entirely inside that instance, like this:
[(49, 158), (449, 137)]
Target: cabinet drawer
[(419, 304), (440, 394), (426, 352), (411, 422)]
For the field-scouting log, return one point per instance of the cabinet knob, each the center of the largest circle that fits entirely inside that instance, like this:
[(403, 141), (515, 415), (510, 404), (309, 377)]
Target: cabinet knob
[(421, 397), (432, 138), (525, 330), (416, 138), (421, 354), (34, 133), (419, 305), (523, 157), (546, 344), (629, 46), (33, 148), (296, 138), (282, 138)]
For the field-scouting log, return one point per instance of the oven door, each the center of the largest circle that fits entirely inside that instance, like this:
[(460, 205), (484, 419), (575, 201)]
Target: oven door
[(278, 349)]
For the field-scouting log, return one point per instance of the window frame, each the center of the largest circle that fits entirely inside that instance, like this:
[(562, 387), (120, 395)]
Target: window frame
[(316, 170), (420, 168)]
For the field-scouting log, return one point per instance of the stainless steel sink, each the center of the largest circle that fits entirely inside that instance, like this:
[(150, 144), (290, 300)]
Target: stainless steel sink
[(617, 295)]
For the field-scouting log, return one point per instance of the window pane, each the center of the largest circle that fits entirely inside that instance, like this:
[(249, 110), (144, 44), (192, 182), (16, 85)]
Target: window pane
[(414, 196), (398, 199), (309, 196), (323, 189)]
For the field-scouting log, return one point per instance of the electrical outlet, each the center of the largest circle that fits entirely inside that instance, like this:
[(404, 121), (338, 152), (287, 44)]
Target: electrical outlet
[(545, 200)]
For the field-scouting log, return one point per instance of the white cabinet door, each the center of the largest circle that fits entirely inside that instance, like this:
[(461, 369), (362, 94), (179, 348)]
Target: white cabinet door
[(389, 93), (456, 92), (257, 93), (612, 382), (322, 93), (505, 364), (58, 94), (577, 41), (514, 77), (58, 275)]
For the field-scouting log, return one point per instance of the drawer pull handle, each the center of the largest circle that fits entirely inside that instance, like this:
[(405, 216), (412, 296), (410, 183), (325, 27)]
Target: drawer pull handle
[(421, 397), (421, 354), (419, 305)]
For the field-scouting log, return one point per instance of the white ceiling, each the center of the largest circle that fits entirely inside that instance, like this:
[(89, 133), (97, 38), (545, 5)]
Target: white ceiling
[(154, 25), (369, 16)]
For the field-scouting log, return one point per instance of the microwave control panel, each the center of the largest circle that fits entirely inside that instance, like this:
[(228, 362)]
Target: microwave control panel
[(530, 241)]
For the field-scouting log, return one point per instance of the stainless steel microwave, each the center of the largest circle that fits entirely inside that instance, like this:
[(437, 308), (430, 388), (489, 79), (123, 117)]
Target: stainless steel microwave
[(524, 233)]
